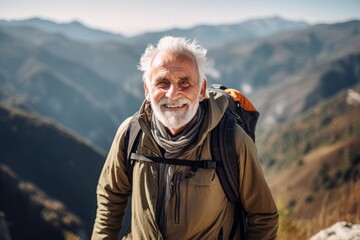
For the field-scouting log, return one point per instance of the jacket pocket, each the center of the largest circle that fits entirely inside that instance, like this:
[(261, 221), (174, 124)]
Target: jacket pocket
[(177, 184), (203, 178)]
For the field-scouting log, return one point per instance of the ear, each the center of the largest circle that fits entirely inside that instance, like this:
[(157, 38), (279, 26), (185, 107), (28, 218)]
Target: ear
[(203, 90), (147, 96)]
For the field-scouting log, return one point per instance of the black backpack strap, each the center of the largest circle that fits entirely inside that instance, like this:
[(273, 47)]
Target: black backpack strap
[(223, 149), (131, 139), (130, 143), (205, 164)]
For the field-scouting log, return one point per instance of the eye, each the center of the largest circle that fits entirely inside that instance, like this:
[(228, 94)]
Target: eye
[(184, 82), (162, 83)]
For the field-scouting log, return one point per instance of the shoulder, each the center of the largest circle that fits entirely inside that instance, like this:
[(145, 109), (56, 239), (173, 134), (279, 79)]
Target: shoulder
[(121, 131), (117, 145), (123, 126)]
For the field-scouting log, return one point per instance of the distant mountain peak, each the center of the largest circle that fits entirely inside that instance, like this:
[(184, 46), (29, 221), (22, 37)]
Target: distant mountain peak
[(36, 19), (74, 30), (274, 18), (213, 35), (76, 22), (49, 21)]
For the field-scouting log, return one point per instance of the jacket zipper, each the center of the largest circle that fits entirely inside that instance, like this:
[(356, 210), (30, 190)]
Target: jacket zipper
[(220, 236), (178, 177)]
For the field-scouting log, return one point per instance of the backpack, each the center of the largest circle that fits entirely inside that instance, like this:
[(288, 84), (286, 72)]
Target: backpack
[(240, 111)]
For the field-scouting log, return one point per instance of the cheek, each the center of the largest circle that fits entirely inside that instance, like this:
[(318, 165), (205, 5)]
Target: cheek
[(193, 95), (157, 94)]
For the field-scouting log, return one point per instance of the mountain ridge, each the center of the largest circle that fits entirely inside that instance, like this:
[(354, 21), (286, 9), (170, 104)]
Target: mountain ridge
[(53, 158), (74, 30), (213, 35), (48, 85)]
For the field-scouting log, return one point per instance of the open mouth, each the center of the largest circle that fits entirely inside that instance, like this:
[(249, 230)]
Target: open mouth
[(174, 106)]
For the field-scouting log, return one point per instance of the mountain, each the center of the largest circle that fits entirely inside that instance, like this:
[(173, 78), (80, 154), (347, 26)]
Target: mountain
[(115, 62), (105, 77), (74, 30), (306, 58), (52, 158), (287, 74), (112, 60), (313, 164), (38, 81), (277, 58), (285, 101), (331, 121), (29, 213), (208, 35), (215, 35)]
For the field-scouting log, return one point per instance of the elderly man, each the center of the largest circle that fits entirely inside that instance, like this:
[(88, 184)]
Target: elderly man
[(176, 120)]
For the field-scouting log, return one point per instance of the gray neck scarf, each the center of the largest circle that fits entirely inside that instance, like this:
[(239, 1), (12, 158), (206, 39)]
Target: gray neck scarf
[(176, 146)]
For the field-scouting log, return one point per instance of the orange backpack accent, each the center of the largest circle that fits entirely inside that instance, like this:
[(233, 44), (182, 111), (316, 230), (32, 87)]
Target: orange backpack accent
[(240, 98)]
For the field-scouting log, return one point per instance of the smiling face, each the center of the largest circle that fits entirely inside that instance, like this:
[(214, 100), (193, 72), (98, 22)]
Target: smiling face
[(174, 90)]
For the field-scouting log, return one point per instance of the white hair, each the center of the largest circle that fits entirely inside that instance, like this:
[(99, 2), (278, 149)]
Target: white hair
[(173, 45)]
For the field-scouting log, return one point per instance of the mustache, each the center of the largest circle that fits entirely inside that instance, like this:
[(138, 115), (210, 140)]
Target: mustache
[(178, 101)]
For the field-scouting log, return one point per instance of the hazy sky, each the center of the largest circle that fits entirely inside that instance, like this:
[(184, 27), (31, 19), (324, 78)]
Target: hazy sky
[(135, 16)]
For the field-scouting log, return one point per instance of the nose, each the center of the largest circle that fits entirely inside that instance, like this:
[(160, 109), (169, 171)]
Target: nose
[(172, 92)]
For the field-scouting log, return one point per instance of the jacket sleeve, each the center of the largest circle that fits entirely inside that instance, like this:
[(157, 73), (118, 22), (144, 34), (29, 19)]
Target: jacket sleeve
[(255, 193), (113, 190)]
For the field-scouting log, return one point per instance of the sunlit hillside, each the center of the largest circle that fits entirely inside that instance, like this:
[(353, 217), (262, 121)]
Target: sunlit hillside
[(313, 165), (29, 213)]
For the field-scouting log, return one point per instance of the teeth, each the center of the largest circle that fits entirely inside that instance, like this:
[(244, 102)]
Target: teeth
[(174, 106)]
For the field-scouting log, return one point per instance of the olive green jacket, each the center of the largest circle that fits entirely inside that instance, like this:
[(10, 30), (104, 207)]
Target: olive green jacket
[(197, 207)]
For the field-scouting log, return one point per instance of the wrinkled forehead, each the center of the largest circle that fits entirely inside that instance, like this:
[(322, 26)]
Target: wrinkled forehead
[(171, 59)]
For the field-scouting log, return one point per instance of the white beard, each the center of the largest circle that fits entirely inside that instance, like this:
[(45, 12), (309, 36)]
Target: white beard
[(175, 119)]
